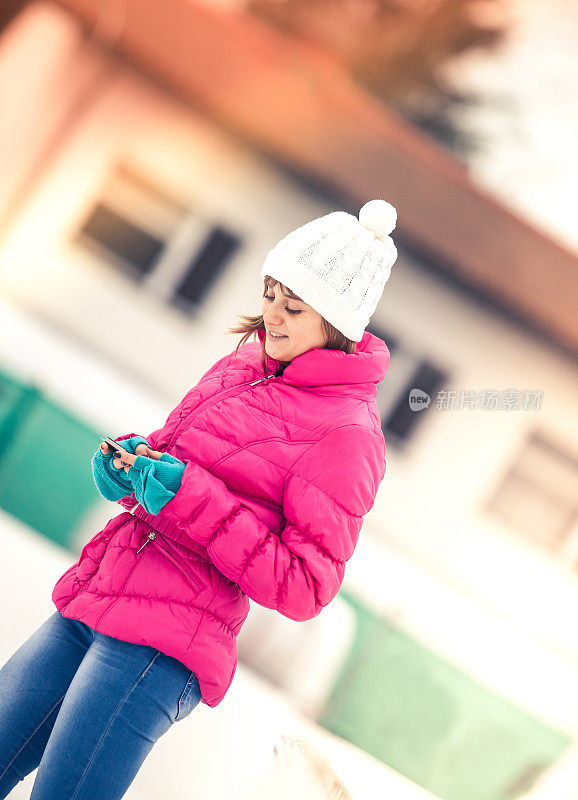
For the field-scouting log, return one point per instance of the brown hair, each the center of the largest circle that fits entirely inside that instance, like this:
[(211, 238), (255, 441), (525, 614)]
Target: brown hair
[(335, 340)]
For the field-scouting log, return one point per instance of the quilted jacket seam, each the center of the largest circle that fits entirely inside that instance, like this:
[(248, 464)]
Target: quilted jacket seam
[(247, 447), (320, 439), (330, 496), (167, 600), (323, 550), (220, 529), (204, 612), (257, 547), (283, 588), (284, 420), (222, 438), (291, 470)]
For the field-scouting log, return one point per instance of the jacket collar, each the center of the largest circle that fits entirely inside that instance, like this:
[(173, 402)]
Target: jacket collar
[(356, 373)]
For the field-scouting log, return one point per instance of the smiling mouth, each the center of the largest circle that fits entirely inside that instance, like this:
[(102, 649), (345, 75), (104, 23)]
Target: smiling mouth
[(275, 336)]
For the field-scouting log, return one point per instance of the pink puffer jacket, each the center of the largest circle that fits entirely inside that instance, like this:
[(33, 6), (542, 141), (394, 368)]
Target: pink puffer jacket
[(280, 471)]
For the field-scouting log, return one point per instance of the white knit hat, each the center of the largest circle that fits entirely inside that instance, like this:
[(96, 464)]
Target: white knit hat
[(339, 264)]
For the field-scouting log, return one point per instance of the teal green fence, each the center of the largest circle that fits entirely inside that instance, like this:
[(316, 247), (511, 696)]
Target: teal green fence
[(431, 721), (45, 461)]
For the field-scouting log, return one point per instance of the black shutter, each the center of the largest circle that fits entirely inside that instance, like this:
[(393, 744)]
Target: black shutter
[(402, 421), (208, 263)]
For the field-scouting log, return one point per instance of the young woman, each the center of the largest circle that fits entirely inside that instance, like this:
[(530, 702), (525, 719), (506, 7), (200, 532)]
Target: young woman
[(255, 487)]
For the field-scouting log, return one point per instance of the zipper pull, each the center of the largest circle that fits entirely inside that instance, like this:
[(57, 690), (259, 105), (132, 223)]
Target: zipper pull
[(151, 535), (252, 383)]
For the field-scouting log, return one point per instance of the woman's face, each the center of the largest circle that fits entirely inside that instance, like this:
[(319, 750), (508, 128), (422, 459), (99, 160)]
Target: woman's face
[(300, 324)]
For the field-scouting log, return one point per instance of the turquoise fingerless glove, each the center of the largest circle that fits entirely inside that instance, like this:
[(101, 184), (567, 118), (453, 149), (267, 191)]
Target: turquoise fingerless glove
[(156, 482), (113, 483)]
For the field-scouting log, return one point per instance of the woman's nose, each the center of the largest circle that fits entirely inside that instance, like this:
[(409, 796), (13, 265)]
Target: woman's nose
[(273, 317)]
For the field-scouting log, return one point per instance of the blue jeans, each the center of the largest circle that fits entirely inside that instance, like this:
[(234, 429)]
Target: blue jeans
[(86, 709)]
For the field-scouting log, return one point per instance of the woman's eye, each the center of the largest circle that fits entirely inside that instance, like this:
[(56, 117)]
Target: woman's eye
[(290, 310)]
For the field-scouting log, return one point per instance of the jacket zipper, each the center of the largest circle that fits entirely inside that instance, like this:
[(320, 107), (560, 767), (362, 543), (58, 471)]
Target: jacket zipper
[(213, 400), (152, 536)]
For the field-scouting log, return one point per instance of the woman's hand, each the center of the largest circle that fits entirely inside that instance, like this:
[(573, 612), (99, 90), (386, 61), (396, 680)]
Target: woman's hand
[(127, 459)]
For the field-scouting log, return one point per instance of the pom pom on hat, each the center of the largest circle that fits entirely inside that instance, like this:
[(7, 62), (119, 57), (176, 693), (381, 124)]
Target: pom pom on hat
[(378, 216)]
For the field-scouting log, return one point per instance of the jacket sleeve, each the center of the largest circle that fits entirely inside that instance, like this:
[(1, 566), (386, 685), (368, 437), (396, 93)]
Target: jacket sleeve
[(129, 501), (298, 570)]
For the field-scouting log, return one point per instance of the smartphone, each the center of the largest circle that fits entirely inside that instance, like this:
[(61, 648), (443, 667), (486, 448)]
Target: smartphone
[(112, 444)]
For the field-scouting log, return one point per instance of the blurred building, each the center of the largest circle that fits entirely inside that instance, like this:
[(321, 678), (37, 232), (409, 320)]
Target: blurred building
[(152, 154)]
